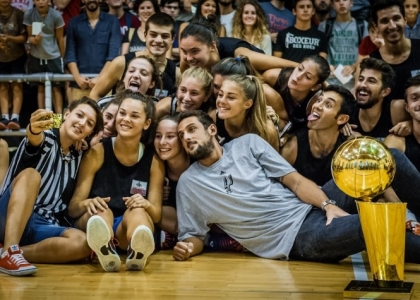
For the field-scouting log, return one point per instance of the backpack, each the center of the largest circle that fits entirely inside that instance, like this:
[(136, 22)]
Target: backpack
[(329, 27)]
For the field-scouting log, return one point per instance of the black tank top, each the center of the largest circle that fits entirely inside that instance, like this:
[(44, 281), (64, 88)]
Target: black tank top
[(227, 46), (115, 180), (172, 190), (296, 113), (412, 150), (221, 130), (315, 169), (168, 77), (381, 129)]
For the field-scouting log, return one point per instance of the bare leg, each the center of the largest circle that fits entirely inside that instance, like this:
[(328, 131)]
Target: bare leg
[(131, 220), (41, 96), (25, 188), (71, 246), (57, 100), (4, 98), (17, 97)]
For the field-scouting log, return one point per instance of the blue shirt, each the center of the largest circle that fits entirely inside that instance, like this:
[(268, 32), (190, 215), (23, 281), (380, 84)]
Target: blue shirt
[(413, 33), (91, 48), (278, 19)]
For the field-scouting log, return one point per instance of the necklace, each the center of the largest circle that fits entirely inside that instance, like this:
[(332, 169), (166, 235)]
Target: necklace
[(347, 24)]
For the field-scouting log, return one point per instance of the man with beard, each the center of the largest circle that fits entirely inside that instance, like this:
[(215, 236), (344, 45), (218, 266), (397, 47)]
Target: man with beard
[(93, 41), (249, 191), (389, 17), (226, 14), (310, 151), (410, 144), (322, 11), (374, 116), (126, 19), (159, 35), (278, 17)]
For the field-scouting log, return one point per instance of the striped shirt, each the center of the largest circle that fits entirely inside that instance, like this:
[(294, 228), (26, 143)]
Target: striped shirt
[(105, 100), (58, 173)]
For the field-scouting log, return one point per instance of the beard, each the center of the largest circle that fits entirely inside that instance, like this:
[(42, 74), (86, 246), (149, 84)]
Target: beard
[(322, 9), (202, 151), (92, 6), (368, 104), (225, 3)]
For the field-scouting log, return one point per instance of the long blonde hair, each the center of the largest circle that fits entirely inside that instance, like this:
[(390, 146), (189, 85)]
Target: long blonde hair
[(260, 27), (256, 115)]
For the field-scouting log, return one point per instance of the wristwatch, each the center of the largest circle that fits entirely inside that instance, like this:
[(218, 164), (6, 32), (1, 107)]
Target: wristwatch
[(326, 202)]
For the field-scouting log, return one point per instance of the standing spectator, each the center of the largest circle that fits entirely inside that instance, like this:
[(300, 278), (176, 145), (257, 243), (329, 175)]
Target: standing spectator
[(303, 39), (12, 60), (172, 8), (344, 35), (127, 20), (250, 24), (68, 9), (227, 11), (134, 39), (278, 17), (45, 28), (93, 40), (412, 28), (322, 11)]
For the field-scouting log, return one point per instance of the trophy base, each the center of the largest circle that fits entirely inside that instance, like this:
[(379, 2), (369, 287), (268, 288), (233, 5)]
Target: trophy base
[(358, 289)]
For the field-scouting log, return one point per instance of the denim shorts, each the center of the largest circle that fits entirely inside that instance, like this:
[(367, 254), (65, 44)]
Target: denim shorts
[(117, 222), (37, 228)]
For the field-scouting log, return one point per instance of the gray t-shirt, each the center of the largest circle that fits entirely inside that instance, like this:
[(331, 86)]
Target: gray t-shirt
[(343, 46), (241, 193), (48, 48)]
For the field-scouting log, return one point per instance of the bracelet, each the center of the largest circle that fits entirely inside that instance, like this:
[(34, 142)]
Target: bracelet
[(30, 130)]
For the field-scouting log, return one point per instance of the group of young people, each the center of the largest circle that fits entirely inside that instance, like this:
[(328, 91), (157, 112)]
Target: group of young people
[(209, 164)]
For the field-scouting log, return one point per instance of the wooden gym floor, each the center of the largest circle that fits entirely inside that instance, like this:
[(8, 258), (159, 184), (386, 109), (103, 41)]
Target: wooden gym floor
[(207, 276)]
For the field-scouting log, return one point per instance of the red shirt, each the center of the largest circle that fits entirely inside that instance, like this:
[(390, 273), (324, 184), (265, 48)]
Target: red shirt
[(366, 46)]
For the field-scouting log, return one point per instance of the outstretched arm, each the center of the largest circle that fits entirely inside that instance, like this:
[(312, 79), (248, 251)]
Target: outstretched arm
[(263, 62)]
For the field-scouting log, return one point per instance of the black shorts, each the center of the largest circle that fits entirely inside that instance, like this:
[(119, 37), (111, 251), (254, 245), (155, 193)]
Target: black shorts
[(16, 66), (55, 65)]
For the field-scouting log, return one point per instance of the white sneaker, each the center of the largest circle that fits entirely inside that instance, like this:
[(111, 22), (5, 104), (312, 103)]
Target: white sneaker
[(141, 246), (99, 240)]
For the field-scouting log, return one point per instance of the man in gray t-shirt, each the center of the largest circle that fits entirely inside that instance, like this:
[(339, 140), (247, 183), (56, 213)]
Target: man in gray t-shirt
[(254, 195)]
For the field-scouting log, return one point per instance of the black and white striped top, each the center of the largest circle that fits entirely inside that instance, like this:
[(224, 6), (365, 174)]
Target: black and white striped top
[(58, 173)]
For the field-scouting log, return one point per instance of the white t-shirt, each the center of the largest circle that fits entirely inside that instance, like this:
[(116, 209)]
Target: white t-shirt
[(226, 20)]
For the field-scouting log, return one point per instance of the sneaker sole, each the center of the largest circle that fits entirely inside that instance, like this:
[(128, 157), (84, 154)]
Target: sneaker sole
[(25, 272), (98, 236), (142, 241), (13, 126)]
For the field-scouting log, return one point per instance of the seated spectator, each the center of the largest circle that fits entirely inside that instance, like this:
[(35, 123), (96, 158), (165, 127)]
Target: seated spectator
[(90, 49), (119, 188), (241, 65), (409, 144), (141, 76), (109, 113), (227, 12), (257, 198), (134, 39), (302, 39), (159, 36), (242, 108), (47, 48), (38, 187), (200, 46), (195, 91), (250, 24), (12, 61)]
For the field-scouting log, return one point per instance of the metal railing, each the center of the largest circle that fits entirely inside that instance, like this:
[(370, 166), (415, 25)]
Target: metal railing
[(47, 78)]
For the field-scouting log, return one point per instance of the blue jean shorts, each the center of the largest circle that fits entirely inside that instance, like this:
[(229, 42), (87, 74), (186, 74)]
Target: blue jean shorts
[(37, 228)]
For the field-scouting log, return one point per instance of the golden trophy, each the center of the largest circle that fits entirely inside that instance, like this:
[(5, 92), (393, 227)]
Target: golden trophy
[(364, 168)]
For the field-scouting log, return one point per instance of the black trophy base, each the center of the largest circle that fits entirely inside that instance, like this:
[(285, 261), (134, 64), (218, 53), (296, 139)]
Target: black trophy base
[(358, 289)]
